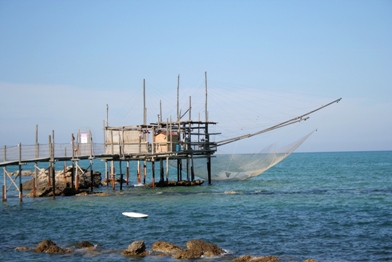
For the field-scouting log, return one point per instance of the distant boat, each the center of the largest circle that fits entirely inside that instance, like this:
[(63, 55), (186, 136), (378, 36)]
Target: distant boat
[(135, 215)]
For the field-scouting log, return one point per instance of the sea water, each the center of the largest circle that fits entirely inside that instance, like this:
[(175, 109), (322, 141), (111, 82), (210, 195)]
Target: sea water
[(325, 206)]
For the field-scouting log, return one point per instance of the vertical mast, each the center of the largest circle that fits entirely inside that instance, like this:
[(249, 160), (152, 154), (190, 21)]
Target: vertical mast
[(107, 115), (206, 111), (160, 111), (178, 98), (190, 108), (144, 103)]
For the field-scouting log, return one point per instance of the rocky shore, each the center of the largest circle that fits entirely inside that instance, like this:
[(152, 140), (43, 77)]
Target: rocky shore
[(194, 249), (63, 182)]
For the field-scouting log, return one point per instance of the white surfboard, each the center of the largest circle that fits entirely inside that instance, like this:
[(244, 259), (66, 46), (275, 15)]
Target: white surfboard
[(134, 214)]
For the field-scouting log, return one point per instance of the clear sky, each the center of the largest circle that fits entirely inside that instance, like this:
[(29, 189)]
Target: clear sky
[(61, 62)]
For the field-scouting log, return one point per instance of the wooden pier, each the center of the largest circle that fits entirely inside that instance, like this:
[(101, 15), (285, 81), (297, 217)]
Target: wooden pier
[(179, 140)]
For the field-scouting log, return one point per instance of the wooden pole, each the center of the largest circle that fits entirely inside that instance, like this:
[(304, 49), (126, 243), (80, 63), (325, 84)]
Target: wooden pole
[(76, 175), (144, 103), (153, 173), (192, 169), (36, 142), (161, 173), (167, 169), (127, 172), (4, 198), (35, 180), (73, 161), (106, 173), (52, 167), (121, 174), (4, 195), (178, 98), (207, 136), (139, 179), (20, 174), (91, 175), (145, 171)]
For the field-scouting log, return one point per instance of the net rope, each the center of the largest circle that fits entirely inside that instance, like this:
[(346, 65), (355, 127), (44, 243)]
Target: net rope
[(245, 166)]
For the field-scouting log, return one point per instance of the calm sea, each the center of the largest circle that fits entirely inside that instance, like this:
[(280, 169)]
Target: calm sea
[(325, 206)]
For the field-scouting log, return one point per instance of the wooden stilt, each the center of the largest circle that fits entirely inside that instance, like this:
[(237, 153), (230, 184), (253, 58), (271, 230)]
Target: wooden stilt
[(4, 195), (187, 169), (113, 182), (161, 173), (192, 169), (76, 176), (127, 172), (20, 174), (153, 173), (145, 171), (4, 198), (35, 180), (121, 176), (52, 170), (139, 179), (167, 169), (91, 175), (106, 173)]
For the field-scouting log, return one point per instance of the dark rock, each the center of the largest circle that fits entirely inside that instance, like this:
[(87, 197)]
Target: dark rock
[(48, 246), (84, 244), (207, 249), (166, 247), (44, 245), (188, 254), (249, 258), (137, 248), (197, 182)]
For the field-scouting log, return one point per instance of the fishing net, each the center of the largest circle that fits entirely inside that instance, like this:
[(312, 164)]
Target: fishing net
[(244, 166)]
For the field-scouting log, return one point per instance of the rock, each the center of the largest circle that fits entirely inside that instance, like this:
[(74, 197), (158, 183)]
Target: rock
[(63, 180), (166, 247), (137, 248), (21, 249), (249, 258), (24, 173), (44, 245), (188, 254), (48, 246), (207, 249), (84, 244), (57, 250), (197, 182), (310, 260)]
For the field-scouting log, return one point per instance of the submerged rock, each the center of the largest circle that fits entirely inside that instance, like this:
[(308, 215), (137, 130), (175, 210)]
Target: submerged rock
[(22, 248), (84, 244), (249, 258), (196, 182)]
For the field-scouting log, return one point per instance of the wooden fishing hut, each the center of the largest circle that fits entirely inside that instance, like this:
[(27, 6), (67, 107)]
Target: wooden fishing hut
[(179, 140)]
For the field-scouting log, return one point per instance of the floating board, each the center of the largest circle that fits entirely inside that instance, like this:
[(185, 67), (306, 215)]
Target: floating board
[(134, 214), (139, 184)]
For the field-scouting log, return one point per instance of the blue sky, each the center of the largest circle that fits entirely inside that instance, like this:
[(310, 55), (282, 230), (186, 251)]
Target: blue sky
[(61, 62)]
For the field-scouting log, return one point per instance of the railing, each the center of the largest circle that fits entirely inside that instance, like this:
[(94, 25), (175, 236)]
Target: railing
[(44, 151)]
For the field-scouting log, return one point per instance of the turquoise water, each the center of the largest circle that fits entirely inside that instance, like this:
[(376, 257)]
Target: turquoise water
[(326, 206)]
